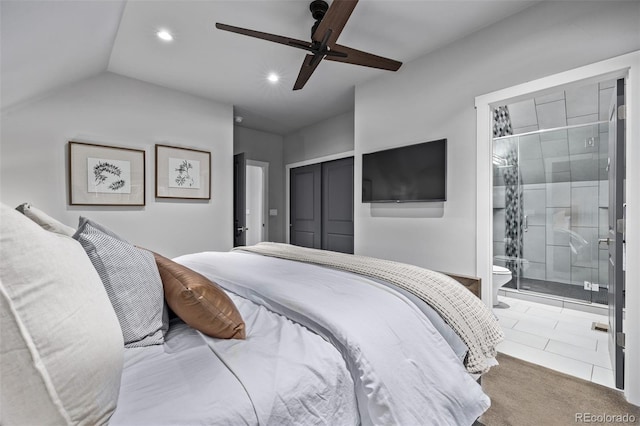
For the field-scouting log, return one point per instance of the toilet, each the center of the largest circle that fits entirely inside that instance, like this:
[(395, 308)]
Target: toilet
[(501, 276)]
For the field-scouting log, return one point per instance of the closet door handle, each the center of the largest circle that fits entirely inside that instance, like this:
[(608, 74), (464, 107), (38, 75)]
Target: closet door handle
[(526, 223)]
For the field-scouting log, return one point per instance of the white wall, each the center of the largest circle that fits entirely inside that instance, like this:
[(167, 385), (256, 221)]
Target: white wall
[(433, 97), (114, 110), (334, 135)]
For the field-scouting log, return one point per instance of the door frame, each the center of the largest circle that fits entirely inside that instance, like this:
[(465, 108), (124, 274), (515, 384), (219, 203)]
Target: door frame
[(615, 239), (287, 183), (265, 195), (628, 66)]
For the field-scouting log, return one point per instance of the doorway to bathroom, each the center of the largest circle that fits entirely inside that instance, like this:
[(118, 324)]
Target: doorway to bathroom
[(558, 196)]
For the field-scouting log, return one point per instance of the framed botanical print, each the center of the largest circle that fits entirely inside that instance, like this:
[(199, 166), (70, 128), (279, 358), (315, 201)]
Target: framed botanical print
[(101, 175), (183, 173)]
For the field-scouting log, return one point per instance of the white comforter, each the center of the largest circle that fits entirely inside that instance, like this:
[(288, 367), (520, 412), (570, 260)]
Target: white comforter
[(403, 370), (281, 375)]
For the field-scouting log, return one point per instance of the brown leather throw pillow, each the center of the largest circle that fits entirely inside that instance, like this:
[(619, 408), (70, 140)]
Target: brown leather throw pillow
[(199, 302)]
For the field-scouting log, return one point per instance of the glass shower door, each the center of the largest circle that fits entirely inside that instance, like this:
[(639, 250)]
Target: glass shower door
[(550, 209), (577, 199)]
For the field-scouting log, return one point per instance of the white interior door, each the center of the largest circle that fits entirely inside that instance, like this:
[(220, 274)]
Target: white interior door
[(256, 202)]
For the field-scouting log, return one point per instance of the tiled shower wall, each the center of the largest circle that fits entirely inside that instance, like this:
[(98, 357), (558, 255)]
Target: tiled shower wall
[(564, 222)]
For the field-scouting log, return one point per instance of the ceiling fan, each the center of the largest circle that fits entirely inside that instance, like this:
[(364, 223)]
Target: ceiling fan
[(329, 24)]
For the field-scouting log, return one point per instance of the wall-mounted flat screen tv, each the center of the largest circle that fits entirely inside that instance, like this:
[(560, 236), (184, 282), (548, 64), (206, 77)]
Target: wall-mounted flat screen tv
[(404, 174)]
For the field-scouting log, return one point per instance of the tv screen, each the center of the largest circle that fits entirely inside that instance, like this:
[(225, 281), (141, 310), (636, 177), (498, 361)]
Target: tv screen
[(408, 173)]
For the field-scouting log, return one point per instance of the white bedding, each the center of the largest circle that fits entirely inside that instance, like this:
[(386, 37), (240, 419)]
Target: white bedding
[(403, 370), (471, 320), (159, 383), (278, 375), (289, 373)]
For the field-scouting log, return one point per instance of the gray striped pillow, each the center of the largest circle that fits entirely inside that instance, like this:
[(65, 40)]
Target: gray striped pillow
[(131, 278)]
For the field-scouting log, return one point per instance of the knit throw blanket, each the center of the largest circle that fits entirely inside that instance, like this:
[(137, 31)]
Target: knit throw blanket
[(462, 310)]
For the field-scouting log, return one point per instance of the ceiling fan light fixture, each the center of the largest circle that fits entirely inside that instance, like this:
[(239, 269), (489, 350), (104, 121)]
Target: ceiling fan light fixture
[(273, 78), (164, 35)]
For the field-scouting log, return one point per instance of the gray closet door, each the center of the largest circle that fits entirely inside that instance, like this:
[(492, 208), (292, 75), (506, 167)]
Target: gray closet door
[(337, 205), (306, 211)]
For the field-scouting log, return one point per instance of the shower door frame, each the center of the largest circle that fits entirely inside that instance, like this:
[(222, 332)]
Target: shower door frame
[(624, 66)]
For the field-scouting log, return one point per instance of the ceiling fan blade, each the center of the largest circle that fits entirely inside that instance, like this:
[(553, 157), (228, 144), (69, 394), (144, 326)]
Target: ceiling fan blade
[(334, 20), (300, 44), (358, 57), (308, 67)]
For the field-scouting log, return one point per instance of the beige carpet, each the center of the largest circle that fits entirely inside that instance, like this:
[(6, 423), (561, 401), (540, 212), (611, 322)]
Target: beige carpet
[(524, 394)]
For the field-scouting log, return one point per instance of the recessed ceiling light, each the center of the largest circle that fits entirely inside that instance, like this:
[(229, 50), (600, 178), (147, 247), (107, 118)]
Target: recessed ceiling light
[(273, 77), (164, 35)]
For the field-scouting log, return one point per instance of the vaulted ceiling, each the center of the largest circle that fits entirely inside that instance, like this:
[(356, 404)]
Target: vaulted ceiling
[(48, 44)]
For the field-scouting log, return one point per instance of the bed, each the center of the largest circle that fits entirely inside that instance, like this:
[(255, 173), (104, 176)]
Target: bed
[(323, 338)]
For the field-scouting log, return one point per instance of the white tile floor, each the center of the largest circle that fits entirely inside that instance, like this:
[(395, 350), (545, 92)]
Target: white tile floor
[(557, 338)]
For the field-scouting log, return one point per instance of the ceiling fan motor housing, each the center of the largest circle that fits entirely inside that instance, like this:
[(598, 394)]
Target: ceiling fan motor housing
[(318, 8)]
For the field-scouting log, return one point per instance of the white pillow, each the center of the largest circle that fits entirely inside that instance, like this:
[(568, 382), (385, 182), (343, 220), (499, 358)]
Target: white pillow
[(44, 220), (61, 347)]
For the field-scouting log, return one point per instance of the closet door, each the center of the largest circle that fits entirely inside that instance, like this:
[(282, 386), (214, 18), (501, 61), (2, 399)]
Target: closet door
[(306, 208), (337, 205)]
